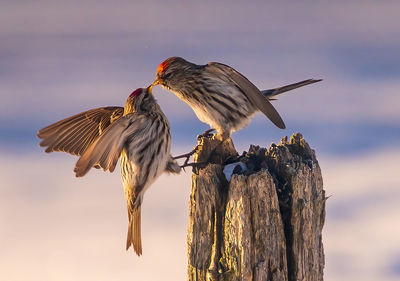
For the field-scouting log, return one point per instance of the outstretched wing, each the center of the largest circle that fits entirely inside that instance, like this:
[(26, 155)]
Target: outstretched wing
[(76, 133), (249, 90), (106, 150)]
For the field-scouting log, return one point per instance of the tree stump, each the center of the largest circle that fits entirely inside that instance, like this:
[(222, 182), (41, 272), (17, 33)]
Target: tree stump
[(265, 222)]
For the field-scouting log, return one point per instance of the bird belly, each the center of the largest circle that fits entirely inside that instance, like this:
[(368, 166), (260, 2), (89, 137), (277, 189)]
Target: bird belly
[(205, 115), (223, 119), (138, 177)]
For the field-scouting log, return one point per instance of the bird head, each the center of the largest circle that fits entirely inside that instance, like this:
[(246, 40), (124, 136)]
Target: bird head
[(137, 99), (136, 93), (169, 71)]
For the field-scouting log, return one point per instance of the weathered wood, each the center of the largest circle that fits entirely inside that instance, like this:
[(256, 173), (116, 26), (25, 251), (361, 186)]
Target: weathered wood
[(207, 203), (265, 223)]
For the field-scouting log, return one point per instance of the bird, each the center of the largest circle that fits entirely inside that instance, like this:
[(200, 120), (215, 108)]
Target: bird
[(219, 95), (138, 134)]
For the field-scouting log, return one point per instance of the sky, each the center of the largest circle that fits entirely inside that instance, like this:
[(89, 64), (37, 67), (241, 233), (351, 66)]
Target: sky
[(59, 58)]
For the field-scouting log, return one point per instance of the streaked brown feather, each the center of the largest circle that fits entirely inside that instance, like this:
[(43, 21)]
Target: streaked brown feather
[(68, 137), (134, 236), (76, 133), (251, 91), (106, 150)]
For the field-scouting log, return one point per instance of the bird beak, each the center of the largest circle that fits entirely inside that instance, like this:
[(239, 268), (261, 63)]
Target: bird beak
[(149, 88), (156, 82)]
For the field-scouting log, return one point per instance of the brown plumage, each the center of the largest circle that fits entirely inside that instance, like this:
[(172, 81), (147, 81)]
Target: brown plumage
[(137, 134), (76, 133), (219, 95)]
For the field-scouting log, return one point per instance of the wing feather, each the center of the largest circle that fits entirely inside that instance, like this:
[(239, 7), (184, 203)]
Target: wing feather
[(250, 90), (65, 137), (76, 133), (106, 150)]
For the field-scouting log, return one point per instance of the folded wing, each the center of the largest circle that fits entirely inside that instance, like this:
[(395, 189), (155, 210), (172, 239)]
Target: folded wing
[(250, 90)]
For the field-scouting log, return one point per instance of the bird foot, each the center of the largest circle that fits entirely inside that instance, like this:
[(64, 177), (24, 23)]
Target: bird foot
[(207, 134), (193, 165), (187, 156)]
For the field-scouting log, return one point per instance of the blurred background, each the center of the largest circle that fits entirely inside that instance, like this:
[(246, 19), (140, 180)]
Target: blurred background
[(59, 58)]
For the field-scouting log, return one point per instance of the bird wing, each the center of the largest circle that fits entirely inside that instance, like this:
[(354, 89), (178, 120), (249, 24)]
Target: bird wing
[(76, 133), (106, 150), (249, 90)]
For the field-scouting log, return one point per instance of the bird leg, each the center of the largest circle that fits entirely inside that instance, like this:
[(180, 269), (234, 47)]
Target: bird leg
[(193, 165), (187, 156)]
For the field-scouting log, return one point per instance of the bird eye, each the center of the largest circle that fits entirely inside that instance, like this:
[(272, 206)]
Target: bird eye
[(167, 75)]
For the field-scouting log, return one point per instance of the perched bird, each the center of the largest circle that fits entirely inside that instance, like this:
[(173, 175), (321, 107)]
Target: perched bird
[(219, 95), (138, 134)]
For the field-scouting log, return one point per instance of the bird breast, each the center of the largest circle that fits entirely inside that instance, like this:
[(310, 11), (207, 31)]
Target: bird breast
[(142, 163)]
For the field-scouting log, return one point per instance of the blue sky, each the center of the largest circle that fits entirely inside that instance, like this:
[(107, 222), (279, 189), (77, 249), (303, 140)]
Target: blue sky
[(58, 59)]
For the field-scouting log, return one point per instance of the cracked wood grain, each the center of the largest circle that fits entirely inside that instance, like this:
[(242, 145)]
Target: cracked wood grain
[(266, 223)]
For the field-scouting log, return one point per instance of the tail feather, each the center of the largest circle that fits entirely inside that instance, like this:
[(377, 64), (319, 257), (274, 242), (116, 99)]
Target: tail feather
[(134, 237), (274, 92)]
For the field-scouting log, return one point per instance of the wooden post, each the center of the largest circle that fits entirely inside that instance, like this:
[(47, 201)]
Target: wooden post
[(265, 223)]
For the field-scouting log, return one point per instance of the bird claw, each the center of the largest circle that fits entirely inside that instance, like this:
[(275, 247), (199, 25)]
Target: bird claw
[(187, 156), (193, 165), (206, 134)]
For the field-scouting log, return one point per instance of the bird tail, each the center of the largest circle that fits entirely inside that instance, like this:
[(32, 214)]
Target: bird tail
[(134, 237), (274, 92)]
